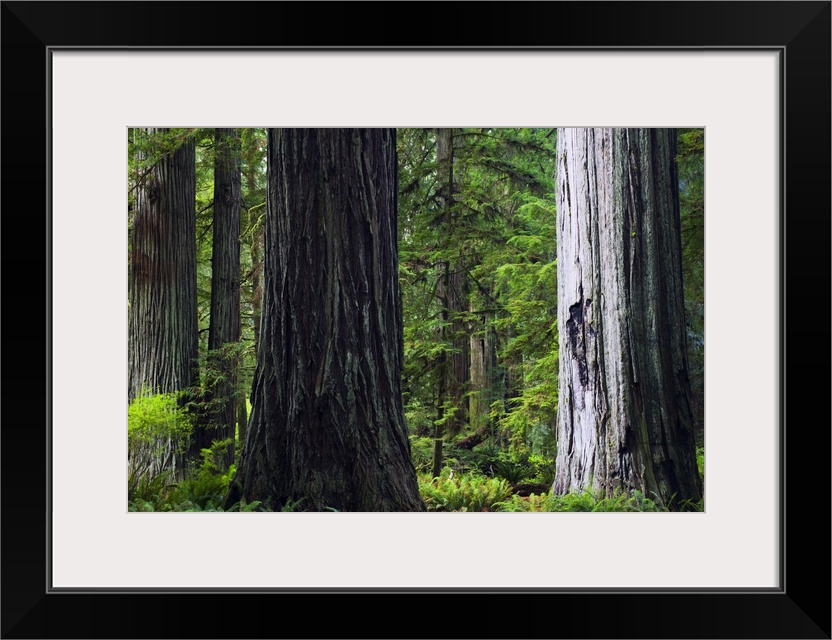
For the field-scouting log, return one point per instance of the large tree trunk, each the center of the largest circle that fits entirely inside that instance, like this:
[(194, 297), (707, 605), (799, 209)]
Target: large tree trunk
[(162, 326), (624, 416), (162, 315), (224, 327), (327, 424)]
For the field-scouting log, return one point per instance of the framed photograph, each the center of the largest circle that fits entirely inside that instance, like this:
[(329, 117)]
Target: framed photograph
[(754, 75)]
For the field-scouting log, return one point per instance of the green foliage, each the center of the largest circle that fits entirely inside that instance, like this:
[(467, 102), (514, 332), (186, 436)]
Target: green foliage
[(588, 501), (511, 468), (691, 505), (204, 490), (498, 236), (218, 378), (595, 501), (514, 466), (526, 283), (158, 429), (543, 467), (534, 503), (700, 461), (468, 492), (480, 459), (246, 507), (149, 492), (421, 452)]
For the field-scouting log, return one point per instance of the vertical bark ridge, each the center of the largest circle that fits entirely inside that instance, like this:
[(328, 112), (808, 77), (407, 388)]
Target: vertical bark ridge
[(163, 338), (328, 423)]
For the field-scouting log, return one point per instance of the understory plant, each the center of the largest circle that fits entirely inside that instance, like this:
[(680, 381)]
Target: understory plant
[(158, 429), (587, 501), (465, 492)]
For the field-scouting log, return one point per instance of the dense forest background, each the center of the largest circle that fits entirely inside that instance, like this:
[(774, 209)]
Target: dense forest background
[(476, 258)]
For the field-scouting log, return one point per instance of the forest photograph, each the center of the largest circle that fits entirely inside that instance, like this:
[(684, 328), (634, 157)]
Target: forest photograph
[(415, 320)]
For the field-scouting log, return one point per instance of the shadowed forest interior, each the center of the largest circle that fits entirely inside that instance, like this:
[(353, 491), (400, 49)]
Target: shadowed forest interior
[(446, 319)]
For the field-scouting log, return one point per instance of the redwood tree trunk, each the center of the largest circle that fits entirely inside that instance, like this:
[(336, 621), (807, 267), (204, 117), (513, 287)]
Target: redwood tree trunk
[(327, 424), (224, 327), (162, 317), (624, 416), (452, 291)]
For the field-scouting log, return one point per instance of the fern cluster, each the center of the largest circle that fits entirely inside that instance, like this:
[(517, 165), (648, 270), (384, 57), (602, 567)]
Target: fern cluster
[(204, 490), (588, 501), (469, 492)]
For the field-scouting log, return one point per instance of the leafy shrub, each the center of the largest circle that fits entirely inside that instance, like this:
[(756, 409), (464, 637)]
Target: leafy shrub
[(595, 501), (588, 501), (421, 452), (534, 503), (481, 458), (513, 466), (543, 468), (513, 470), (700, 461), (206, 489), (157, 439), (468, 492)]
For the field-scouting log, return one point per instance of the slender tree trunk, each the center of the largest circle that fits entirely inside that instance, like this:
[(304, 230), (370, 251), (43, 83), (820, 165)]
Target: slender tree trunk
[(444, 180), (458, 295), (624, 417), (224, 326), (482, 355), (327, 424), (452, 291)]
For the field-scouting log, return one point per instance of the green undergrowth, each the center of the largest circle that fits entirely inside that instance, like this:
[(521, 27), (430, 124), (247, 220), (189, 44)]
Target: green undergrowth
[(588, 501), (467, 492), (203, 490), (477, 493)]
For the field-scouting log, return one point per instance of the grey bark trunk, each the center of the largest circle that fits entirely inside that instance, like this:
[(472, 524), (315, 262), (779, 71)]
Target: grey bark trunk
[(327, 424), (624, 416)]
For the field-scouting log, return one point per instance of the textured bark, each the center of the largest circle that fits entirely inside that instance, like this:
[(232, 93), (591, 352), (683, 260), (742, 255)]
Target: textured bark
[(224, 323), (624, 416), (162, 324), (327, 424)]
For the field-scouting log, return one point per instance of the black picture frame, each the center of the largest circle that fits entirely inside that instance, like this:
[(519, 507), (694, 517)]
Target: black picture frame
[(800, 31)]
